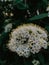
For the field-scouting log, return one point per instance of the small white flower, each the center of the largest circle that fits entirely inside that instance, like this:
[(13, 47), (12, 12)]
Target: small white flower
[(28, 39), (11, 14), (8, 27), (47, 8), (36, 62), (37, 12)]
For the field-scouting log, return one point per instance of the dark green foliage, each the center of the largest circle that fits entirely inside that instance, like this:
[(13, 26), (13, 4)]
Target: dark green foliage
[(39, 17), (20, 11)]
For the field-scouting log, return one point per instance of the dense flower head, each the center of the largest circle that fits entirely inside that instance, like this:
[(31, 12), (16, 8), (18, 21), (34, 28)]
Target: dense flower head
[(27, 39)]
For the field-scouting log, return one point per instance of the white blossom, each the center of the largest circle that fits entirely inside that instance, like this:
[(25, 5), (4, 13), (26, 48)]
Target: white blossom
[(37, 12), (27, 39), (35, 62), (47, 9)]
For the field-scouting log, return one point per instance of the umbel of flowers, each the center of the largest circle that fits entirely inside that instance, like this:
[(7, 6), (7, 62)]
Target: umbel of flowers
[(27, 39)]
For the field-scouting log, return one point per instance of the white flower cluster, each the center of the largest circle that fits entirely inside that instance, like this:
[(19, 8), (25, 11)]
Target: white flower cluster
[(27, 39)]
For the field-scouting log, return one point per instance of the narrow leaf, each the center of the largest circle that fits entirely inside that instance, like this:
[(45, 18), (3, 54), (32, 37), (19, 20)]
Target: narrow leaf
[(39, 16)]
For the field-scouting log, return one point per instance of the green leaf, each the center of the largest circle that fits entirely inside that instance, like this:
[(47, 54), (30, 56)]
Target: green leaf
[(41, 59), (3, 37), (47, 27), (39, 16), (22, 6), (45, 1), (2, 62), (27, 62), (18, 1)]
